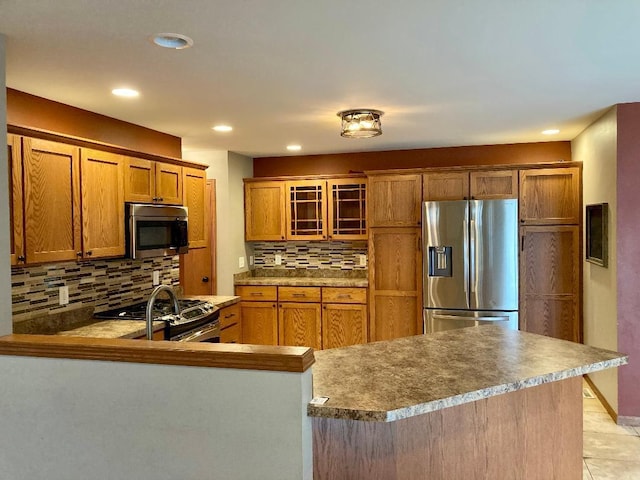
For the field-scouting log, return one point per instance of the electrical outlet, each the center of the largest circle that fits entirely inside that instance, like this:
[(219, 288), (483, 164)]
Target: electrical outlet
[(278, 259), (156, 277), (251, 260), (240, 262), (363, 260), (63, 295)]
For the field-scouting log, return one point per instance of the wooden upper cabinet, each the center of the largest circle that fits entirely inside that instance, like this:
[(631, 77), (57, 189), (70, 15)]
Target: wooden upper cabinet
[(147, 181), (264, 211), (550, 196), (51, 200), (394, 200), (493, 184), (306, 209), (445, 186), (194, 183), (347, 209), (102, 193), (168, 183), (140, 180), (476, 185), (16, 226)]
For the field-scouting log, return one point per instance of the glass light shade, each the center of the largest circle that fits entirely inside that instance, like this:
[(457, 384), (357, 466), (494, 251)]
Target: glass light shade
[(361, 123)]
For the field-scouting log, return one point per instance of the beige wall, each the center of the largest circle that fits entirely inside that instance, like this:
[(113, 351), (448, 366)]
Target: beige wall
[(596, 147), (228, 169), (5, 269)]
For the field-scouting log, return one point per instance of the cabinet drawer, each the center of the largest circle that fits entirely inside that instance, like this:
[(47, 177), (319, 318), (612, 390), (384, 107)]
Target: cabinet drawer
[(258, 293), (230, 334), (299, 294), (344, 295), (230, 315)]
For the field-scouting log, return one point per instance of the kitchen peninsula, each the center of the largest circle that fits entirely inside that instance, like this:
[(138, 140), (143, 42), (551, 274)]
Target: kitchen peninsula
[(471, 403)]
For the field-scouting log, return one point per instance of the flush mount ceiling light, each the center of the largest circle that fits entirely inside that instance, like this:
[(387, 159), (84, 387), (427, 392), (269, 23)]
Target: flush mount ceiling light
[(175, 41), (294, 148), (222, 128), (551, 131), (125, 92), (361, 123)]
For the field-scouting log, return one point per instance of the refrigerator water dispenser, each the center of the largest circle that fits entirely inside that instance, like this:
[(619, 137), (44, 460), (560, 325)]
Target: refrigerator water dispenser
[(440, 261)]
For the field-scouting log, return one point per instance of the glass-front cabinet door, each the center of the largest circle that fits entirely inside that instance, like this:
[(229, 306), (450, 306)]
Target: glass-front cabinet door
[(307, 210), (347, 209)]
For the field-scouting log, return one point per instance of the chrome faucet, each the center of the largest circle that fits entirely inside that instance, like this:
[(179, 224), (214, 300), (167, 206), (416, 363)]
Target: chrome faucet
[(152, 300)]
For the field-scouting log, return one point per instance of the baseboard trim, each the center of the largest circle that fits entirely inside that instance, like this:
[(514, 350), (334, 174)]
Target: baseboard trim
[(628, 421), (604, 402)]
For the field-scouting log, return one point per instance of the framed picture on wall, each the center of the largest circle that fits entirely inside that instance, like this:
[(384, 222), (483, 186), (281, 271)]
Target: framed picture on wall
[(597, 219)]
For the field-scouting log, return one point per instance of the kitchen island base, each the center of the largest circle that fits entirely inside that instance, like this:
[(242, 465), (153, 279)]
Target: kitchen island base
[(533, 433)]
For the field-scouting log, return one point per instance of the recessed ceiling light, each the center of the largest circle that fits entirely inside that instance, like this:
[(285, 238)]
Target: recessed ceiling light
[(551, 131), (175, 41), (222, 128), (125, 92), (294, 148)]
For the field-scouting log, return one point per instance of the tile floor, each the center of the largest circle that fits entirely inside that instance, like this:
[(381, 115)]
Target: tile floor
[(610, 451)]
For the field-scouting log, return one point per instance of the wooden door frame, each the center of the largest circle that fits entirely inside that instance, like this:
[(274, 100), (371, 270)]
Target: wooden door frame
[(210, 196)]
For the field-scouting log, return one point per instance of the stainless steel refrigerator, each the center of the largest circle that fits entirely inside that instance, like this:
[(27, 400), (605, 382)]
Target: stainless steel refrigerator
[(470, 263)]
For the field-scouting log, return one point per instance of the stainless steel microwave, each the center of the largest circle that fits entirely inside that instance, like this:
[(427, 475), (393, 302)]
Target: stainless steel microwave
[(155, 230)]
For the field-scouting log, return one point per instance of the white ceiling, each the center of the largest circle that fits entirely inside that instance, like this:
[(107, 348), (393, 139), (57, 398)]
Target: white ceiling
[(446, 72)]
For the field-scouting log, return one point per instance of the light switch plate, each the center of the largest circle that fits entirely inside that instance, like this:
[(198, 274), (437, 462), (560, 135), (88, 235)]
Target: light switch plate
[(278, 259), (240, 262), (156, 277), (363, 260), (63, 295), (250, 259)]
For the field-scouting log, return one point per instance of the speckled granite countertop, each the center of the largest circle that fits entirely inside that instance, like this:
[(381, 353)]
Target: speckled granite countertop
[(304, 281), (113, 329), (136, 328), (388, 381)]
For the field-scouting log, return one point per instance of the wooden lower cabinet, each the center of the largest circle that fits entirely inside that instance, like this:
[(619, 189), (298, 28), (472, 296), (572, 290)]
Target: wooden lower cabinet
[(300, 325), (231, 324), (315, 317), (550, 281), (232, 334), (343, 325), (259, 323)]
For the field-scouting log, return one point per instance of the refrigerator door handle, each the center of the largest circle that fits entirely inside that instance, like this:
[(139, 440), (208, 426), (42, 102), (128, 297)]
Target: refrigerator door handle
[(465, 256), (482, 319), (473, 276)]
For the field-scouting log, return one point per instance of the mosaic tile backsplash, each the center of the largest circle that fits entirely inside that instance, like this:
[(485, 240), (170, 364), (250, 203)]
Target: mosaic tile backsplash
[(310, 255), (102, 284)]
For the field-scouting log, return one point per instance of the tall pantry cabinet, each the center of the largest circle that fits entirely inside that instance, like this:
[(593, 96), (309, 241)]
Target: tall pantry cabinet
[(550, 252), (395, 266)]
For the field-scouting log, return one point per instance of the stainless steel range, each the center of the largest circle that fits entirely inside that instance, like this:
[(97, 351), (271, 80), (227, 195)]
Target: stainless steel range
[(198, 320)]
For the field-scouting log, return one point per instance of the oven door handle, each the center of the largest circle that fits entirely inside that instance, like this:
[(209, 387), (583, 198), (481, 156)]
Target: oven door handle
[(202, 334)]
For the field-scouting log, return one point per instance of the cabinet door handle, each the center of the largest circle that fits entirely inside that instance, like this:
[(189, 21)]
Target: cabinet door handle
[(230, 315), (89, 253), (256, 294), (205, 279), (522, 243), (344, 295), (21, 258), (78, 254), (299, 294)]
